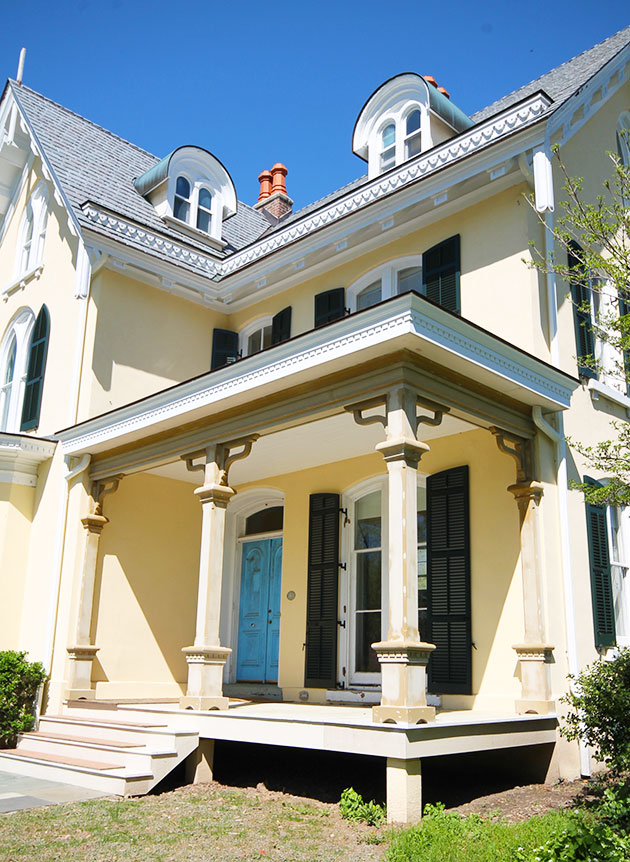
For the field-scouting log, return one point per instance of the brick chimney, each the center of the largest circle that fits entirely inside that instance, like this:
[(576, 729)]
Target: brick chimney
[(273, 197)]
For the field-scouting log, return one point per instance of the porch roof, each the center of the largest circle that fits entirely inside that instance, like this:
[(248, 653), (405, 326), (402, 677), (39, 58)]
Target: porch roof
[(434, 336)]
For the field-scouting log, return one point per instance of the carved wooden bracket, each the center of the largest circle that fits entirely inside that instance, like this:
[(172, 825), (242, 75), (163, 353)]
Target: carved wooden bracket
[(101, 488), (519, 450), (381, 400), (438, 413), (224, 456)]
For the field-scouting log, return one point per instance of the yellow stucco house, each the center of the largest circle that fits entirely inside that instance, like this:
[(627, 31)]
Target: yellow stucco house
[(316, 457)]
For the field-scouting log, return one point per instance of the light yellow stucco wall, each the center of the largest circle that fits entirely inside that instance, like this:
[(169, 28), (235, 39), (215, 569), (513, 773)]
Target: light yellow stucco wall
[(146, 589), (144, 340), (16, 512)]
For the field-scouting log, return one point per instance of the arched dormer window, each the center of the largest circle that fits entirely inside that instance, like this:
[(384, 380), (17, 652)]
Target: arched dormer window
[(32, 231), (402, 118), (14, 359), (413, 135), (623, 138), (181, 202), (388, 147), (192, 191)]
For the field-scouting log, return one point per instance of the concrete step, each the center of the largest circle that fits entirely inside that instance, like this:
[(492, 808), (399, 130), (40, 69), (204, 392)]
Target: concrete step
[(117, 731), (138, 758), (64, 758)]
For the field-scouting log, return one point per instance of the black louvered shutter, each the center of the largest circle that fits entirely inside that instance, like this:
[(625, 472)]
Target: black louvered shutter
[(582, 320), (601, 584), (34, 386), (440, 273), (448, 569), (281, 326), (330, 305), (224, 347), (322, 591), (624, 308)]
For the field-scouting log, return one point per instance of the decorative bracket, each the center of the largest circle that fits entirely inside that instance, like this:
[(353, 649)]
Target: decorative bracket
[(189, 459), (101, 488), (224, 457), (438, 413), (520, 451), (358, 408)]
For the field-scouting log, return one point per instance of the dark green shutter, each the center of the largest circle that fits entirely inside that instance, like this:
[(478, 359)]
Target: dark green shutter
[(582, 320), (37, 353), (281, 326), (224, 347), (440, 273), (330, 305), (601, 584), (322, 591), (448, 569)]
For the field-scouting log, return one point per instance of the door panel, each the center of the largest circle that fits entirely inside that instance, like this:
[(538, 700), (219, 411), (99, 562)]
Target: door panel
[(259, 613)]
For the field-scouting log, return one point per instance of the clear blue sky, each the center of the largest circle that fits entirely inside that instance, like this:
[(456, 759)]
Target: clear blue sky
[(257, 83)]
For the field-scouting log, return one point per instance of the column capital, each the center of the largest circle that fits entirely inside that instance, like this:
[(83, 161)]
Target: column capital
[(220, 495), (94, 523), (526, 491), (402, 449)]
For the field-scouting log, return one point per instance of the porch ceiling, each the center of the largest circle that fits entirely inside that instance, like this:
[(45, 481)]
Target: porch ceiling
[(335, 438)]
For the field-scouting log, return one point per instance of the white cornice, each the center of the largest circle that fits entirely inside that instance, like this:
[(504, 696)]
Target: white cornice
[(446, 339), (21, 457)]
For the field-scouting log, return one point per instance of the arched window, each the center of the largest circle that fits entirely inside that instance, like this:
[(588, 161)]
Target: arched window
[(14, 357), (390, 279), (413, 136), (8, 381), (623, 138), (388, 147), (38, 350), (33, 231), (181, 205), (204, 210), (370, 295), (255, 336)]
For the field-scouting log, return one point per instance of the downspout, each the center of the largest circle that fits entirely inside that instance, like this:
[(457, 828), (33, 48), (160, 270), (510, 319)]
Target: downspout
[(81, 291), (545, 200)]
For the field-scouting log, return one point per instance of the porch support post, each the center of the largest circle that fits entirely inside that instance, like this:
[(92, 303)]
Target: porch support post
[(403, 656), (534, 654), (206, 658), (404, 790), (82, 652)]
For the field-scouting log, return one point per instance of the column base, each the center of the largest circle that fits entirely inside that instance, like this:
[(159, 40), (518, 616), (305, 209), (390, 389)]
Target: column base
[(80, 683), (80, 694), (403, 714), (533, 659), (204, 704)]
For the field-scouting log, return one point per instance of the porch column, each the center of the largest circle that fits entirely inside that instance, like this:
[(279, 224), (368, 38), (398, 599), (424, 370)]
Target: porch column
[(403, 656), (534, 653), (82, 652), (206, 658)]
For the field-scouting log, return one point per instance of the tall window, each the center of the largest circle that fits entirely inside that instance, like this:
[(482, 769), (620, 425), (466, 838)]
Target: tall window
[(32, 231), (623, 138), (618, 522), (8, 382), (204, 210), (412, 134), (388, 147), (181, 206), (192, 204), (15, 351), (367, 569), (390, 279)]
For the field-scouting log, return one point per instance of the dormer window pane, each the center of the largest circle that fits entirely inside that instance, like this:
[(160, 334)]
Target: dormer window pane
[(388, 153), (204, 208), (205, 199), (203, 220), (413, 136), (409, 279), (181, 204), (413, 122), (370, 295)]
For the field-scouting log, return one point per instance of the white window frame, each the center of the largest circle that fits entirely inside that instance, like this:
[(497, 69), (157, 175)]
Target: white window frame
[(620, 568), (29, 257), (250, 329), (398, 116), (623, 125), (409, 136), (387, 273), (196, 184), (21, 327)]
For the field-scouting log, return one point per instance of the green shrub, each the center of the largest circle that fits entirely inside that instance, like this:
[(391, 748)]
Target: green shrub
[(352, 807), (445, 836), (19, 681), (600, 706), (584, 839)]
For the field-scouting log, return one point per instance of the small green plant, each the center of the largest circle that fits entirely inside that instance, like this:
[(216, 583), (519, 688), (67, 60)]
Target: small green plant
[(352, 807), (19, 681), (600, 706), (584, 839)]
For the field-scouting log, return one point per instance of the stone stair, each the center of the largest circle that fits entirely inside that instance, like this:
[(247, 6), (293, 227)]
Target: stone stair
[(117, 750)]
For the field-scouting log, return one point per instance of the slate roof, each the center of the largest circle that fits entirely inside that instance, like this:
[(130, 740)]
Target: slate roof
[(564, 80), (93, 164)]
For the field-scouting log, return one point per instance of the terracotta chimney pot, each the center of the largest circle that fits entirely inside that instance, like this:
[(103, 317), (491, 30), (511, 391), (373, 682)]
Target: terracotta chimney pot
[(264, 179), (278, 173), (444, 92), (431, 80)]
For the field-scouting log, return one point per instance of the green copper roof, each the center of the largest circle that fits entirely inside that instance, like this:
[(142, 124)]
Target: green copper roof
[(154, 176), (449, 112)]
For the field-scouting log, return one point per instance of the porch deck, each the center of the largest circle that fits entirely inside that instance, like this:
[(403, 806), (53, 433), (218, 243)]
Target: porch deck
[(350, 729)]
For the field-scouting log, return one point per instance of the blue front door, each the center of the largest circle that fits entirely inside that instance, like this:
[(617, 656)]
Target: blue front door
[(259, 614)]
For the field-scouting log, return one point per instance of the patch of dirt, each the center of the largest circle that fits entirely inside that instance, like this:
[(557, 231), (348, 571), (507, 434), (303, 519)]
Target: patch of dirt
[(530, 800)]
